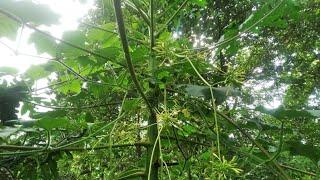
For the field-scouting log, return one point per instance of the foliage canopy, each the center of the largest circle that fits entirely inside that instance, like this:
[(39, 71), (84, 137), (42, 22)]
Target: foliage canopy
[(168, 89)]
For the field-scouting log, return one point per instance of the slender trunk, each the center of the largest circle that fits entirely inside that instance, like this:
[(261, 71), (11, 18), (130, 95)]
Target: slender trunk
[(153, 151)]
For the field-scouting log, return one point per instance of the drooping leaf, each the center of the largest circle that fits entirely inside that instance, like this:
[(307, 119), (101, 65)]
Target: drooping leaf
[(8, 71), (7, 131), (8, 28), (283, 113), (111, 53), (76, 38), (220, 94), (51, 123), (308, 150), (36, 72), (43, 43), (28, 11), (51, 114)]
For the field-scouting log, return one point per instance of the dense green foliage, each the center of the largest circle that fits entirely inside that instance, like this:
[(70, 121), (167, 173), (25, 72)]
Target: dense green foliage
[(166, 89)]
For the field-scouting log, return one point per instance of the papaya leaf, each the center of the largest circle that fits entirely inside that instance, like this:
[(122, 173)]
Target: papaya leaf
[(283, 113), (219, 93), (30, 12), (43, 43)]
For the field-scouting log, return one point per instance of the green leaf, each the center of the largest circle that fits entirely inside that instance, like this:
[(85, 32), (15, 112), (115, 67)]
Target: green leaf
[(8, 71), (111, 53), (73, 87), (76, 38), (50, 114), (7, 131), (89, 118), (201, 3), (308, 150), (220, 94), (51, 123), (84, 61), (232, 46), (188, 130), (30, 12), (43, 43), (8, 28), (131, 105), (283, 113), (97, 90), (36, 72)]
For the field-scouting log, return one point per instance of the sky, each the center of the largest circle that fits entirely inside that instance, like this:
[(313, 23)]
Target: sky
[(70, 11)]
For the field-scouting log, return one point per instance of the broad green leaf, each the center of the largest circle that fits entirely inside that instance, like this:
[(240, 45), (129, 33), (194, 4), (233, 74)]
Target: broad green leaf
[(283, 113), (97, 90), (8, 71), (111, 53), (220, 94), (36, 72), (8, 28), (112, 41), (231, 46), (307, 150), (73, 87), (28, 11), (7, 131), (188, 130), (139, 55), (43, 43), (131, 105), (25, 108), (100, 35), (85, 61), (51, 123), (50, 114), (76, 38)]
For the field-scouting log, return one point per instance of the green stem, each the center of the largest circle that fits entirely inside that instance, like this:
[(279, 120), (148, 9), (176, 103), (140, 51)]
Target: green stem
[(125, 45), (213, 106), (141, 12)]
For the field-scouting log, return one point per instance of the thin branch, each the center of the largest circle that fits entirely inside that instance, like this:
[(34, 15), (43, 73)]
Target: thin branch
[(66, 107), (16, 148), (186, 140), (298, 170)]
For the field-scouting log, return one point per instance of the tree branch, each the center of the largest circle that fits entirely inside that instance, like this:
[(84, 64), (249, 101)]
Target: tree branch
[(15, 148), (123, 37)]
